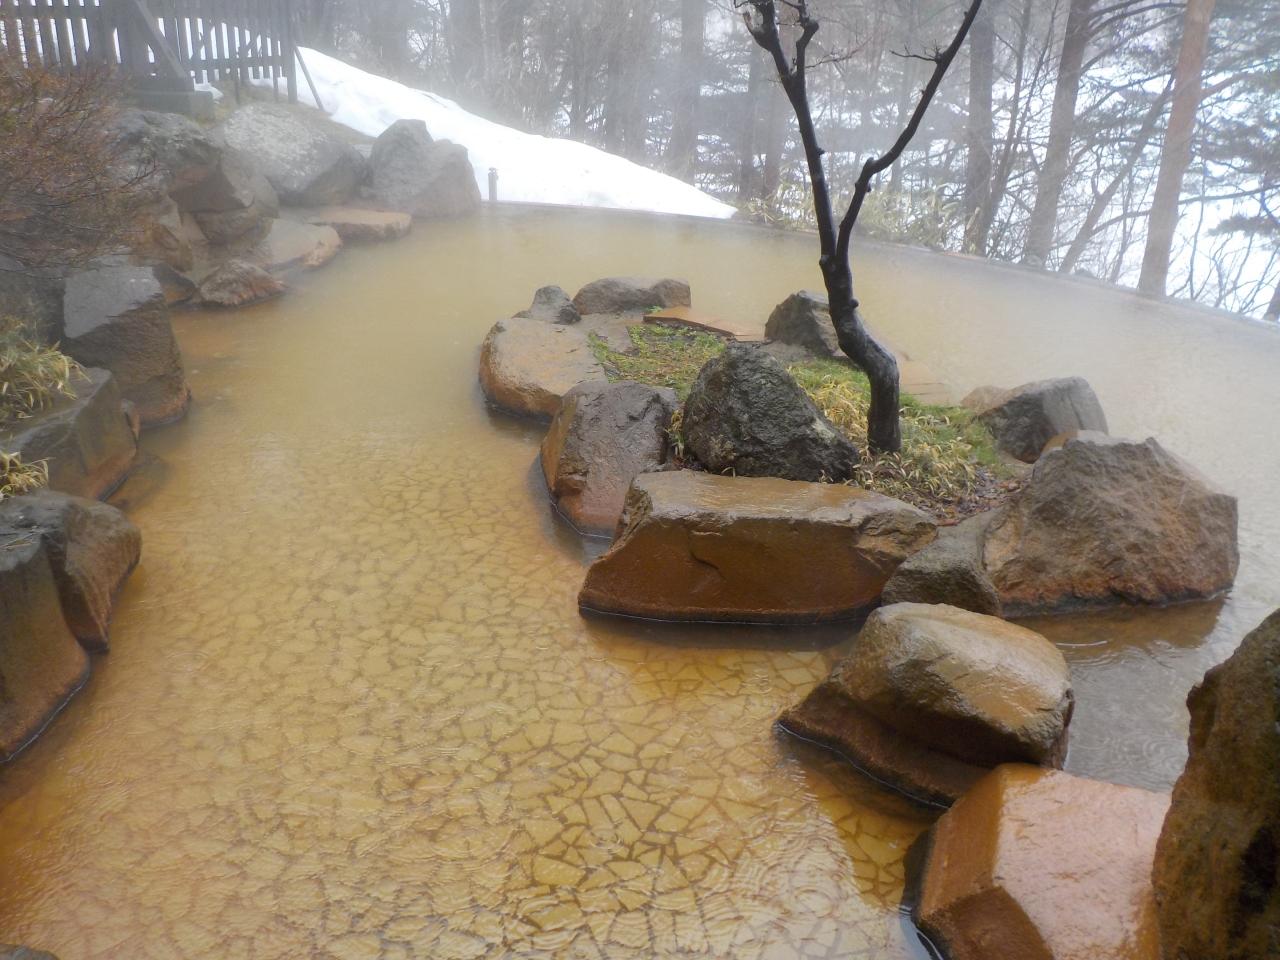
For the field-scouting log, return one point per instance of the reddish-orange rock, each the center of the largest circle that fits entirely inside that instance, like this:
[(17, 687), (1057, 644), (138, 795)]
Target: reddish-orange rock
[(1036, 864), (527, 366), (698, 546)]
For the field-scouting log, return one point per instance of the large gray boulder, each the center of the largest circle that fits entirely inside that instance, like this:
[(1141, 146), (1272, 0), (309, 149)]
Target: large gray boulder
[(1105, 520), (1217, 865), (931, 696), (304, 160), (527, 366), (618, 294), (602, 438), (41, 664), (180, 152), (746, 414), (552, 305), (233, 185), (949, 571), (88, 441), (429, 179), (697, 546), (1024, 419), (804, 320), (92, 548), (117, 318)]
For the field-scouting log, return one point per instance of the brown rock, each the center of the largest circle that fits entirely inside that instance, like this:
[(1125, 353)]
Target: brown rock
[(237, 284), (177, 287), (41, 664), (288, 244), (117, 318), (1035, 864), (551, 304), (87, 440), (1217, 865), (231, 225), (804, 320), (527, 366), (1024, 419), (157, 235), (980, 398), (698, 546), (949, 571), (362, 226), (603, 436), (92, 548), (616, 294), (1105, 520)]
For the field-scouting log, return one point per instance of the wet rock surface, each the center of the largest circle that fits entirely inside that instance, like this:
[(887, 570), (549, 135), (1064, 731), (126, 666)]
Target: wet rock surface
[(1107, 520), (527, 366), (931, 697), (87, 440), (236, 284), (1035, 864), (552, 305), (182, 151), (603, 436), (354, 225), (287, 244), (949, 571), (91, 547), (117, 318), (8, 952), (804, 320), (41, 664), (746, 414), (698, 546), (305, 162), (1217, 865), (156, 236), (1024, 419), (425, 178), (618, 294)]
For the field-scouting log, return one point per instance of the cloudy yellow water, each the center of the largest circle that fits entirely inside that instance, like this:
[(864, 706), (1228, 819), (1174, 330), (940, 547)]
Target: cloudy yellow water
[(351, 709)]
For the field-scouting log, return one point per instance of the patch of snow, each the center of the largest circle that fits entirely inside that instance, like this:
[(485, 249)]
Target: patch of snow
[(531, 168), (210, 88)]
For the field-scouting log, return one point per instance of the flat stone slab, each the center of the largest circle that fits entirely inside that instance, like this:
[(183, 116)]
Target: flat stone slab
[(354, 225), (88, 442), (697, 546), (1036, 864), (289, 244), (527, 366)]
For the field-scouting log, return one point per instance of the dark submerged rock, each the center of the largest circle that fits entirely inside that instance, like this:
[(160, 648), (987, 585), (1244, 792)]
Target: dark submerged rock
[(118, 318), (804, 320), (1026, 418), (746, 414), (1217, 865), (602, 438), (92, 548), (414, 174), (616, 294)]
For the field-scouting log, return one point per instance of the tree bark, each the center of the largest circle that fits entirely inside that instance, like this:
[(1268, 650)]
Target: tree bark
[(1057, 157), (1273, 311), (682, 148), (775, 144), (1175, 154), (979, 136), (750, 120)]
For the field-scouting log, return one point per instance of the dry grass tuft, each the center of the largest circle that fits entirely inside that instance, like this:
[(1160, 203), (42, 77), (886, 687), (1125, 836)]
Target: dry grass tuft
[(17, 478), (32, 377)]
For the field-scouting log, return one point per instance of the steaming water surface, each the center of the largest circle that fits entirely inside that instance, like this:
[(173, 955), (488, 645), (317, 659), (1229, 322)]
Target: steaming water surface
[(351, 709)]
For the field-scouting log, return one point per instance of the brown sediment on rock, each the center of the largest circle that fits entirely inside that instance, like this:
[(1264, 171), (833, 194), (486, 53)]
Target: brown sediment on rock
[(355, 225), (697, 546), (527, 366), (1036, 864)]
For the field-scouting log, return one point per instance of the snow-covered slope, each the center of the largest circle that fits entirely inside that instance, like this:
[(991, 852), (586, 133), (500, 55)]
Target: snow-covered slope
[(530, 168)]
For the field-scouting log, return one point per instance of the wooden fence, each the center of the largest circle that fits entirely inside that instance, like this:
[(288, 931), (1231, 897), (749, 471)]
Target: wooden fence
[(163, 43)]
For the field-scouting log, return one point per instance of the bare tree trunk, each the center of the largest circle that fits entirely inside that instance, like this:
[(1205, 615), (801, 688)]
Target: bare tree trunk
[(466, 46), (979, 136), (1057, 157), (1175, 155), (682, 148), (750, 120), (1273, 311), (775, 143)]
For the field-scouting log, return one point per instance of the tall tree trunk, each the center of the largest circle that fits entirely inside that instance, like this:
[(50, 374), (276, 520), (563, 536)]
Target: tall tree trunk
[(750, 120), (1057, 157), (466, 46), (1175, 155), (682, 148), (1273, 311), (979, 136), (775, 143)]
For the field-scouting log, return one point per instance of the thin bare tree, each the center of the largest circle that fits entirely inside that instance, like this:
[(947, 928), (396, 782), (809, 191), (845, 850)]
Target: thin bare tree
[(884, 432)]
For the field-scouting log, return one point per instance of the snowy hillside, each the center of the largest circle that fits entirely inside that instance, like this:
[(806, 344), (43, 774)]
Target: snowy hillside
[(530, 168)]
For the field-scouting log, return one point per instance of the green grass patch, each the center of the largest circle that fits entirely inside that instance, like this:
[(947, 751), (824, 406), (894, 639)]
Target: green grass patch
[(665, 356)]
